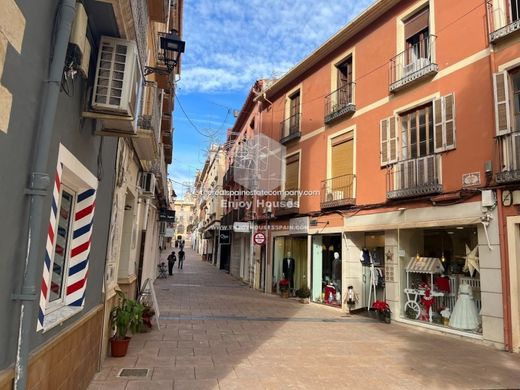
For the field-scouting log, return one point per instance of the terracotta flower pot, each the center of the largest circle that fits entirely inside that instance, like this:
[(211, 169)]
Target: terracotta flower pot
[(284, 293), (119, 347)]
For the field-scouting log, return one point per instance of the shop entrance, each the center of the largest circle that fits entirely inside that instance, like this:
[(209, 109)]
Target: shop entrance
[(290, 262), (327, 269)]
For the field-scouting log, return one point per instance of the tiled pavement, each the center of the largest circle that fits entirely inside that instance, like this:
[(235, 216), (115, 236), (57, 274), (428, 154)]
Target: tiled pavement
[(217, 333)]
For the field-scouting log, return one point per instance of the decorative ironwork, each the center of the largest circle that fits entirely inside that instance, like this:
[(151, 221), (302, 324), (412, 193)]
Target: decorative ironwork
[(338, 191), (339, 103), (509, 147), (290, 128), (414, 177), (140, 13), (503, 19), (413, 64)]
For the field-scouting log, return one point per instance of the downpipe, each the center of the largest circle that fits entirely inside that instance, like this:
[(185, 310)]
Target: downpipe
[(38, 191)]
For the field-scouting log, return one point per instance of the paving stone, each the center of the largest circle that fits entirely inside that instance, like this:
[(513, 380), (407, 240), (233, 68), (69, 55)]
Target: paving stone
[(216, 333)]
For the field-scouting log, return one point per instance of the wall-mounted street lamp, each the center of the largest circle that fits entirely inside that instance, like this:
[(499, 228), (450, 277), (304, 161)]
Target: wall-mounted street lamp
[(171, 46)]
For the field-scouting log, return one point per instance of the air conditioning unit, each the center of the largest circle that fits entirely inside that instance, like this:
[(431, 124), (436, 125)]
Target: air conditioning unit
[(117, 88), (415, 65), (78, 52), (117, 83), (147, 183)]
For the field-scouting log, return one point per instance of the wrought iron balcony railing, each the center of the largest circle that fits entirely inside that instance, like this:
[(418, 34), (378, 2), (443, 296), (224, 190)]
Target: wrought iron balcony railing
[(414, 177), (150, 118), (290, 128), (413, 64), (338, 191), (503, 18), (509, 152), (339, 103)]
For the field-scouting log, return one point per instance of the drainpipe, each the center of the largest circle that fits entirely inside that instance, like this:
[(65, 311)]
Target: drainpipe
[(38, 190), (504, 268)]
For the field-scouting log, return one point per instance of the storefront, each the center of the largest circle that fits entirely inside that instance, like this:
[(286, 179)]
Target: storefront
[(290, 262), (327, 282), (441, 283)]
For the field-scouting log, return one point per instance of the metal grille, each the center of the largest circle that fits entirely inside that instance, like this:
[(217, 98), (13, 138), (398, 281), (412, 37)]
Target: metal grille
[(136, 372)]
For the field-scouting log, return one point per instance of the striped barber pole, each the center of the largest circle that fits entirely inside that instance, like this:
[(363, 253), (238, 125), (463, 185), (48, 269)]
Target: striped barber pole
[(49, 247), (76, 277), (81, 239)]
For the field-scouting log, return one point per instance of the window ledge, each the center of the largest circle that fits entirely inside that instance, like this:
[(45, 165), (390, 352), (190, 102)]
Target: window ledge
[(57, 317)]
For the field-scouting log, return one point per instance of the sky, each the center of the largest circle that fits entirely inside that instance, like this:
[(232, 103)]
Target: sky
[(229, 45)]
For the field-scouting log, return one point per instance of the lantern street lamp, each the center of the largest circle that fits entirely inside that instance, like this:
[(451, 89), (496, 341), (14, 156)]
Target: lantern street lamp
[(171, 46)]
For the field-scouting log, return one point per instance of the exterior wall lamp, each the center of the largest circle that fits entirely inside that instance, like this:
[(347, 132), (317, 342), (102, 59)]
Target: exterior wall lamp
[(171, 46)]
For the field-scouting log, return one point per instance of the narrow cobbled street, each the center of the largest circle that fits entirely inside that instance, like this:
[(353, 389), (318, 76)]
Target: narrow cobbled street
[(217, 333)]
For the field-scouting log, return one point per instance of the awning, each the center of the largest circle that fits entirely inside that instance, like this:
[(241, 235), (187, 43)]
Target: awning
[(425, 265)]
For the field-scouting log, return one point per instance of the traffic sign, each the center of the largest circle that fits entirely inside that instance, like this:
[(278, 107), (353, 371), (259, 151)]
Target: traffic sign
[(259, 238)]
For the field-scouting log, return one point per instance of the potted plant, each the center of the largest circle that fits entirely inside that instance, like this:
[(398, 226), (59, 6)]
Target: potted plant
[(304, 294), (127, 315), (283, 285), (383, 311)]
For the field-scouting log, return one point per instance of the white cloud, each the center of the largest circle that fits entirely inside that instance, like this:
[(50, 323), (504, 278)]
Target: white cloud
[(231, 43)]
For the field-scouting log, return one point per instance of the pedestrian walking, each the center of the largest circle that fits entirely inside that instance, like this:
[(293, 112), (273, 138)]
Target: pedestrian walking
[(181, 258), (181, 245), (172, 258)]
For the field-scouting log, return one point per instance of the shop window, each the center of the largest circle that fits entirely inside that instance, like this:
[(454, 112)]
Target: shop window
[(442, 277), (68, 242), (290, 262), (327, 286)]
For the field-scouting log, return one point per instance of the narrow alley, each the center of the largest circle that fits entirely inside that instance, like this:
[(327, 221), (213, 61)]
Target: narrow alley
[(217, 333)]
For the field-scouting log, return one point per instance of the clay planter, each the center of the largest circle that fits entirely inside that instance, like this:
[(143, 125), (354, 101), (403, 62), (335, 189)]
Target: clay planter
[(284, 293), (305, 300), (119, 347)]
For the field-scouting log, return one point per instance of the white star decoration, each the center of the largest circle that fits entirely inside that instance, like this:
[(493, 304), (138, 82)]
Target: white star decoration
[(472, 262)]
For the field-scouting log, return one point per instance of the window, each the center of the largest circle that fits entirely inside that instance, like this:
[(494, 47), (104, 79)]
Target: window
[(294, 113), (65, 264), (417, 133), (292, 168), (344, 82), (62, 244), (416, 32), (515, 82), (342, 150), (423, 131), (507, 101)]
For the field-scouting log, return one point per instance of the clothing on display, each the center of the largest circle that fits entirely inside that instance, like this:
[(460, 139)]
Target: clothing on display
[(365, 258), (443, 284), (288, 266), (465, 314)]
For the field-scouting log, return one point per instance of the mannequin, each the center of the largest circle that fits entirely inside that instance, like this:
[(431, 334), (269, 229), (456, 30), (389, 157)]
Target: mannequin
[(365, 257), (336, 270), (288, 265)]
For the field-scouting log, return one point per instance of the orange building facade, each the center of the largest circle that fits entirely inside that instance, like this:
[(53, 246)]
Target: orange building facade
[(402, 166)]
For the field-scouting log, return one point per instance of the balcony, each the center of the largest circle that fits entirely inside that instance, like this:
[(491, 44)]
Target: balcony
[(503, 18), (509, 158), (414, 177), (149, 124), (290, 129), (339, 103), (338, 192), (286, 205), (414, 64)]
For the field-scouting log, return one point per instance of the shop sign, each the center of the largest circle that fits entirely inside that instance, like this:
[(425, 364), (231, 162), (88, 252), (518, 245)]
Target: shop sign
[(166, 215), (259, 238), (225, 237), (471, 179), (299, 225), (241, 227)]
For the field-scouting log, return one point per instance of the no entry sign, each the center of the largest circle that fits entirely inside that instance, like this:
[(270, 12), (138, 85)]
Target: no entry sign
[(259, 238)]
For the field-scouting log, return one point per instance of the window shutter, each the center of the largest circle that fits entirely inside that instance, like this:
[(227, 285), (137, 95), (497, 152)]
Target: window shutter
[(342, 158), (444, 123), (416, 23), (291, 175), (449, 121), (516, 150), (384, 142), (392, 141), (502, 109)]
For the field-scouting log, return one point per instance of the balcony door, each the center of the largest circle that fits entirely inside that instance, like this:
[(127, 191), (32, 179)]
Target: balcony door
[(345, 82), (294, 113), (416, 31), (342, 166)]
